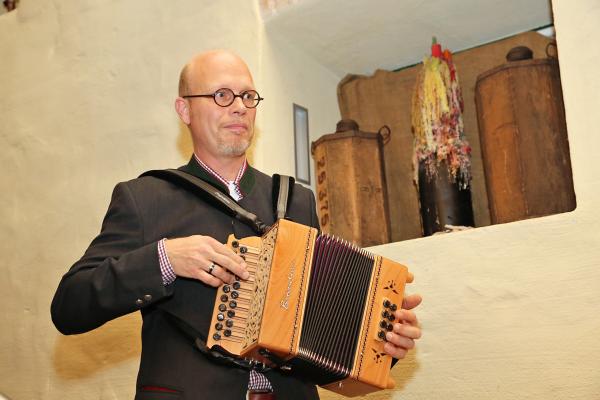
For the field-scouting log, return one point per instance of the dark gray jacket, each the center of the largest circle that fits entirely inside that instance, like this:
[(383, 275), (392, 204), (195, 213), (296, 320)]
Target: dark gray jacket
[(119, 274)]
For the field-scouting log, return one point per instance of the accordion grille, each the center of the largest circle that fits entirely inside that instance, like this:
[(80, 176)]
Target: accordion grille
[(337, 294)]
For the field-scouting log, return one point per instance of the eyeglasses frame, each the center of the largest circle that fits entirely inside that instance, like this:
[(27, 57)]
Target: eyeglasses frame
[(240, 95)]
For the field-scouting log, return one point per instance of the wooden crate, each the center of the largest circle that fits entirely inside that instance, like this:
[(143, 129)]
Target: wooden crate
[(524, 142), (351, 186)]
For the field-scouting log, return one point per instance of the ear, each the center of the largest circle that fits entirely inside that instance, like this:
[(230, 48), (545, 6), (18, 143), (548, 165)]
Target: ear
[(183, 109)]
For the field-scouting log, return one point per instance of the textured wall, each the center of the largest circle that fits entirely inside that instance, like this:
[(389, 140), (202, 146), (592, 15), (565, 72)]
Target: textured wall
[(87, 100)]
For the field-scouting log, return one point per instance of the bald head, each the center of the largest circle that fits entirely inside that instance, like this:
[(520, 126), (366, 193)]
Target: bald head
[(196, 74), (221, 134)]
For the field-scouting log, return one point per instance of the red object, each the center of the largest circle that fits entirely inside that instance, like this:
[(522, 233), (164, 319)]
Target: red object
[(158, 389), (447, 55), (436, 50)]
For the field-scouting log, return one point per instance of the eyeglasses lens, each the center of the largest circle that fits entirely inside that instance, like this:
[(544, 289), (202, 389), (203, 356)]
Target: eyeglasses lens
[(225, 97), (250, 98)]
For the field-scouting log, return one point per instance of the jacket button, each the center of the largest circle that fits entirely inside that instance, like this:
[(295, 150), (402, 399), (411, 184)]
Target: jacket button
[(147, 297), (139, 302)]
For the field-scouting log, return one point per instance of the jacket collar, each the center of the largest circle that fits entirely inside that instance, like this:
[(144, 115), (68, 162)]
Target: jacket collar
[(246, 183)]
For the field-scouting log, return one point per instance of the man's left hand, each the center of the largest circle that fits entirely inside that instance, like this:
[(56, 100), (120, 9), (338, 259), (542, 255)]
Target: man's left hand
[(406, 329)]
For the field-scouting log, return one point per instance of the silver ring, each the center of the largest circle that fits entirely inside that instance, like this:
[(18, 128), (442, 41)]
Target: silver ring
[(211, 268)]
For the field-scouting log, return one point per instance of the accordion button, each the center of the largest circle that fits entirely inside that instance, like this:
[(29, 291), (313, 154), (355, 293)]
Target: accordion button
[(236, 285), (233, 304), (381, 335), (243, 249), (385, 314), (227, 332), (235, 244), (393, 307), (224, 298), (220, 317), (234, 295), (229, 323), (222, 307), (383, 324), (386, 303), (226, 288), (218, 326), (389, 327), (231, 313), (216, 336), (391, 317)]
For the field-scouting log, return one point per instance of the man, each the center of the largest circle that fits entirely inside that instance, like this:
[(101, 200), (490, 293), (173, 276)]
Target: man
[(160, 250)]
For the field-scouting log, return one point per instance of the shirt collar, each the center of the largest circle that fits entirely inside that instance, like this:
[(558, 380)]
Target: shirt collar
[(244, 181)]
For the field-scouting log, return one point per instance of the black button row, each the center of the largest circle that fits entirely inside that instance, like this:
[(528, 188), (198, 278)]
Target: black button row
[(226, 333), (387, 315), (223, 308), (219, 325), (386, 326), (390, 305), (221, 316)]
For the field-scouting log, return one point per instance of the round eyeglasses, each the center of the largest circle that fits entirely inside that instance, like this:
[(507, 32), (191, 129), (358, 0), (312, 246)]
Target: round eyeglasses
[(225, 97)]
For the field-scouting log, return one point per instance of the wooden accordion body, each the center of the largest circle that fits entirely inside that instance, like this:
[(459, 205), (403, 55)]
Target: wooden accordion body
[(317, 302)]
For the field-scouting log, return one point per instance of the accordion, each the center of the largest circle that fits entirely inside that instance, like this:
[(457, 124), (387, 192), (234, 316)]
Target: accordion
[(318, 303)]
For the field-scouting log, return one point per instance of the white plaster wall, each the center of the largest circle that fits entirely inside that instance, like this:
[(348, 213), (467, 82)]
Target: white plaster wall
[(289, 73), (87, 101)]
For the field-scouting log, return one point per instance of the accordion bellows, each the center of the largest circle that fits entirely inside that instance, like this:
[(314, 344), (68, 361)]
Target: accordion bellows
[(321, 304)]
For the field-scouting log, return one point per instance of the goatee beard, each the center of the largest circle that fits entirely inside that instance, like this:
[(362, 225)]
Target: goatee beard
[(235, 148)]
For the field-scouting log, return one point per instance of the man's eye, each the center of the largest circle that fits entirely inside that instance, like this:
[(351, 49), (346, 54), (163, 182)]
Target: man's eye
[(221, 94), (249, 95)]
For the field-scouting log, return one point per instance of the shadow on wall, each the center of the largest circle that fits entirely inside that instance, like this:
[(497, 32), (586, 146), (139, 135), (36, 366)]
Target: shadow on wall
[(184, 142), (402, 373), (404, 370), (81, 356)]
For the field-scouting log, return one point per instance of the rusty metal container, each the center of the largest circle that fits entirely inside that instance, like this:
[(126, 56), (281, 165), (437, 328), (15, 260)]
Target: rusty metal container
[(351, 186), (524, 142), (444, 204)]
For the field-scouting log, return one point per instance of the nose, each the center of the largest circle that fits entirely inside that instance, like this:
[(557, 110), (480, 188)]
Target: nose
[(238, 106)]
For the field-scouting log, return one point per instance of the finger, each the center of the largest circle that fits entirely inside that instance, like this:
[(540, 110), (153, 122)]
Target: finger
[(412, 301), (400, 341), (412, 332), (396, 352), (226, 251), (205, 277), (222, 274), (235, 268), (406, 316), (229, 260)]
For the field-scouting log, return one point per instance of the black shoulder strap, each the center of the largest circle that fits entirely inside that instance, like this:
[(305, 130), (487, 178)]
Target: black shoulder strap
[(283, 187), (209, 193)]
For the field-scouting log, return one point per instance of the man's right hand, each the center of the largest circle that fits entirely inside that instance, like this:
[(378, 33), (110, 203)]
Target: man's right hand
[(193, 256)]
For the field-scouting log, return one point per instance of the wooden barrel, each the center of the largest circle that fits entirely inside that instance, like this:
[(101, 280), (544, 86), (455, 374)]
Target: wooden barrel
[(351, 187), (524, 144)]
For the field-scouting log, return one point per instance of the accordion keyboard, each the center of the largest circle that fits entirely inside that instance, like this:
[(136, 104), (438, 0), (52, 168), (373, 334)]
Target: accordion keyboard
[(238, 306)]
